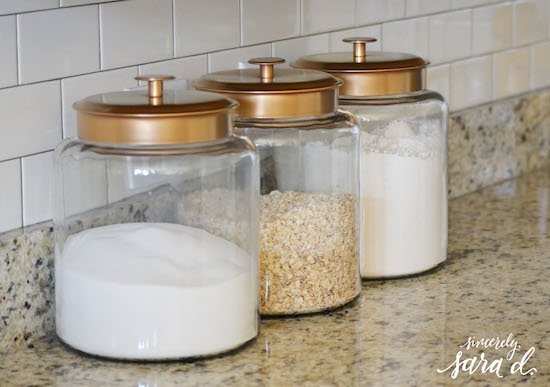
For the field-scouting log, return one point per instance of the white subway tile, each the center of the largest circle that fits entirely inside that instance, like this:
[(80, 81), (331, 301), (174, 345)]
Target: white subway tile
[(471, 3), (375, 11), (206, 25), (10, 195), (471, 81), (422, 7), (135, 31), (531, 21), (76, 88), (439, 80), (70, 3), (31, 119), (37, 173), (15, 6), (511, 72), (237, 58), (540, 65), (58, 43), (450, 36), (326, 15), (293, 49), (267, 20), (410, 35), (492, 28), (336, 43), (188, 68), (8, 51)]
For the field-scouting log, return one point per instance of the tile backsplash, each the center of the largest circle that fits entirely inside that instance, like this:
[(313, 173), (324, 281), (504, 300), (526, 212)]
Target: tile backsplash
[(55, 52)]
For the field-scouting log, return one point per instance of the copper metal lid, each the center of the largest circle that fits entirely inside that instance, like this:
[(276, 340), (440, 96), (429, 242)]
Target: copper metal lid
[(153, 116), (275, 93), (370, 73)]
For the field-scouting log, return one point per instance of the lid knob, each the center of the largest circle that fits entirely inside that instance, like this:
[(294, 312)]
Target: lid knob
[(155, 84), (359, 47), (266, 67)]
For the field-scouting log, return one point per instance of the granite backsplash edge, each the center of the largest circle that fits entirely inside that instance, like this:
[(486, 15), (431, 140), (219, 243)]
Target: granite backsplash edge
[(487, 144)]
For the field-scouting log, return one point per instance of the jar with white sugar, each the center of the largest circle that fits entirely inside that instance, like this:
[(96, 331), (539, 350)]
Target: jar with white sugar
[(156, 230), (403, 157)]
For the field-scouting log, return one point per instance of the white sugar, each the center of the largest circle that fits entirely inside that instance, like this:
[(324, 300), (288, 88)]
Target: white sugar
[(154, 291)]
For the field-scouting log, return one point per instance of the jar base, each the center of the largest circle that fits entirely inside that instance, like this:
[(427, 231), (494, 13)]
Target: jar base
[(314, 312), (404, 275), (222, 353)]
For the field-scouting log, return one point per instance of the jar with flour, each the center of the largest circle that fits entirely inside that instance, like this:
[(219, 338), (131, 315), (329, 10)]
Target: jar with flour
[(156, 230), (403, 157)]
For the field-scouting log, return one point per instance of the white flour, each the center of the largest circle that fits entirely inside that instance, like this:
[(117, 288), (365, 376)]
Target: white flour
[(154, 291), (404, 207)]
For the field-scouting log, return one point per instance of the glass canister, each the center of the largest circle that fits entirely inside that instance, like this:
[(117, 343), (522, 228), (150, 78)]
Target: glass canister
[(156, 230), (308, 151), (403, 157)]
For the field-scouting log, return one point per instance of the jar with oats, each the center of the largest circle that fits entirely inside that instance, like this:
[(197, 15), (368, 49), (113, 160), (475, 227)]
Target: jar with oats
[(309, 251)]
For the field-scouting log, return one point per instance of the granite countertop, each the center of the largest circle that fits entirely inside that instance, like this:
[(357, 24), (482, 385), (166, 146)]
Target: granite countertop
[(398, 332)]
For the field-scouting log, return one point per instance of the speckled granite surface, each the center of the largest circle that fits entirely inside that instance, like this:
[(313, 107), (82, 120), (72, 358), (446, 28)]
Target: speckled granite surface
[(26, 293), (397, 333), (494, 142)]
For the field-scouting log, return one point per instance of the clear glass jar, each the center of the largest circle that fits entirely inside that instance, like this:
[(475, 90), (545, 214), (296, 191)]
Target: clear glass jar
[(309, 260), (403, 183), (308, 214), (156, 228), (403, 157)]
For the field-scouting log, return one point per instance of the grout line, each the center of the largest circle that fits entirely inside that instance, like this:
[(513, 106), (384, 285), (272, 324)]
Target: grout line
[(531, 67), (499, 100), (26, 155), (17, 71), (450, 79), (301, 17), (471, 32), (21, 190), (429, 39), (240, 5), (493, 72), (99, 29), (62, 109), (173, 28), (513, 24), (17, 48), (59, 7)]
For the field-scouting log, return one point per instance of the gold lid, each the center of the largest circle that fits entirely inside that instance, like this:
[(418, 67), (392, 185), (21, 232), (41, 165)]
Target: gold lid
[(154, 116), (275, 93), (370, 73)]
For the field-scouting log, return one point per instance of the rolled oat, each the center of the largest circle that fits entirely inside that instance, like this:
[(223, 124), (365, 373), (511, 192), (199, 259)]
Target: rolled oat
[(309, 258)]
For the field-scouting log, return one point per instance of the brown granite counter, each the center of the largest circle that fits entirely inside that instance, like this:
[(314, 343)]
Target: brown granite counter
[(397, 333)]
